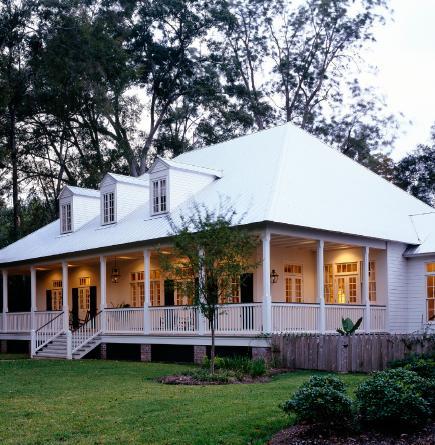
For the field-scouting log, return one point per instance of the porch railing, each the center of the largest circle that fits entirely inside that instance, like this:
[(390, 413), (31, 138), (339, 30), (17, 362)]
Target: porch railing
[(47, 332), (378, 318), (295, 317), (43, 317), (19, 321), (125, 320), (181, 319), (238, 318), (335, 312), (86, 332)]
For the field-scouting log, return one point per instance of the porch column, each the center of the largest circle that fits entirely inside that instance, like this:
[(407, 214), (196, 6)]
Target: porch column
[(365, 287), (103, 291), (202, 323), (267, 299), (147, 291), (33, 297), (320, 285), (65, 306), (5, 300)]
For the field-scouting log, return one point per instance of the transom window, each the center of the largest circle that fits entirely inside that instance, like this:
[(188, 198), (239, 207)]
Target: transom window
[(430, 286), (159, 196), (57, 284), (109, 208), (347, 267), (84, 281), (65, 217), (293, 283)]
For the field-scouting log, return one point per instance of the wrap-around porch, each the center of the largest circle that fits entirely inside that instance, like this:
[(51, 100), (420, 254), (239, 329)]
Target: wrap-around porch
[(302, 285)]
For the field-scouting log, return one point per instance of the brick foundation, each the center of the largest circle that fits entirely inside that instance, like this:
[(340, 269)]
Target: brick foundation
[(145, 353), (264, 353), (199, 352), (103, 351), (3, 346)]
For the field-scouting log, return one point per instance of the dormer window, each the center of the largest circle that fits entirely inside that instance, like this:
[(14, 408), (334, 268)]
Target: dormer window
[(159, 196), (109, 208), (65, 218)]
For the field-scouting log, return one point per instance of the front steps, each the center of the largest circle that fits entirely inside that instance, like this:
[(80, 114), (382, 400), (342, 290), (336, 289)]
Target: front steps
[(57, 348)]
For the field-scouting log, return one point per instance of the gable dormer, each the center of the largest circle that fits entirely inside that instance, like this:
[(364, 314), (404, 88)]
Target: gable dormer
[(120, 195), (172, 183), (77, 206)]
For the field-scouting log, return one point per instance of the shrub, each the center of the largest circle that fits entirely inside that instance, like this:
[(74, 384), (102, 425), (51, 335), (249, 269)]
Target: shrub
[(394, 399), (239, 365), (424, 366), (258, 368), (322, 401)]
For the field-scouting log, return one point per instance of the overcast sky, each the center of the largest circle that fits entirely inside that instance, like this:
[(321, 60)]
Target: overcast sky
[(405, 55)]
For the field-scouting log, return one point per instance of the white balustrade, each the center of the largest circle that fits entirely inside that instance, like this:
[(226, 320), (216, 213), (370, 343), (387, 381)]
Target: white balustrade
[(173, 319), (238, 319), (124, 320), (378, 318), (43, 317), (86, 332), (295, 317), (335, 312), (19, 321), (48, 332)]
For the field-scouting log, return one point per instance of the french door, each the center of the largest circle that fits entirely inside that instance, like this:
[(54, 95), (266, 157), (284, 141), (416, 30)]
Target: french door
[(346, 289)]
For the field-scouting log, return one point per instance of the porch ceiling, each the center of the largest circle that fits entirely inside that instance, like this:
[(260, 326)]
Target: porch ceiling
[(306, 243)]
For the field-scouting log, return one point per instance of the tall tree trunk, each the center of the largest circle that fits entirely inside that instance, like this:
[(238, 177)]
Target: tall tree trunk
[(14, 162)]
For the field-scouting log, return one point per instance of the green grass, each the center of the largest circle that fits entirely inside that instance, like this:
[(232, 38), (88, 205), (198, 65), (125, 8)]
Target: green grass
[(109, 402)]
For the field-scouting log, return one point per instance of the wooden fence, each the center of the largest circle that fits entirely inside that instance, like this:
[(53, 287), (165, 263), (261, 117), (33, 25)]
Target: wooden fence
[(355, 353)]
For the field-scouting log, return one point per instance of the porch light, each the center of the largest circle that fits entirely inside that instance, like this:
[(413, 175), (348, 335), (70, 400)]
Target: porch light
[(274, 276), (115, 274)]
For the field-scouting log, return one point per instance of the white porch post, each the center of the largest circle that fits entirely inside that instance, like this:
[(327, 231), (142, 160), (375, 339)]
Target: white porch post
[(267, 298), (147, 291), (201, 319), (65, 306), (365, 288), (5, 300), (103, 291), (320, 285), (33, 297)]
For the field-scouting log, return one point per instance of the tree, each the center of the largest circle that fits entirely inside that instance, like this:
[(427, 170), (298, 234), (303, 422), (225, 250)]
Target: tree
[(210, 251), (415, 173)]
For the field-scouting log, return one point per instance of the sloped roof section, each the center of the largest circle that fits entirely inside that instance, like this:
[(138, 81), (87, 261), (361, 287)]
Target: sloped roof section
[(140, 181), (191, 168), (282, 175), (79, 191), (424, 225)]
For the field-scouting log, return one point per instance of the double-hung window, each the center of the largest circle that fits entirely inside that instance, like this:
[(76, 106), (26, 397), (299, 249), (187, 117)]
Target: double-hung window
[(109, 208), (159, 196), (66, 217), (430, 289)]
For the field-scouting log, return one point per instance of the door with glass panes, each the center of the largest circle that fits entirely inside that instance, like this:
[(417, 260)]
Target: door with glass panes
[(346, 289)]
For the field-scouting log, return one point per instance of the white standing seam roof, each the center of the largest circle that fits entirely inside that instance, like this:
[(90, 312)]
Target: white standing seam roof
[(79, 191), (424, 225), (283, 175)]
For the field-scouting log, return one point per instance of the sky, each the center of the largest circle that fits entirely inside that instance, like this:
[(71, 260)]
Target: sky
[(405, 56)]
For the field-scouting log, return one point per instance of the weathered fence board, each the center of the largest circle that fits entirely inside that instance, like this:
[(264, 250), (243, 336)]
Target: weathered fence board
[(354, 353)]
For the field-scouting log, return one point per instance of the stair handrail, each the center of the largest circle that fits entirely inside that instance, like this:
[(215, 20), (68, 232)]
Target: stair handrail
[(47, 332), (86, 332)]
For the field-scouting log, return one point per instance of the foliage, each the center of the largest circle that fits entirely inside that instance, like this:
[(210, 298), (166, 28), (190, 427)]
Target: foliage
[(241, 365), (423, 365), (321, 400), (394, 399), (348, 327), (209, 252)]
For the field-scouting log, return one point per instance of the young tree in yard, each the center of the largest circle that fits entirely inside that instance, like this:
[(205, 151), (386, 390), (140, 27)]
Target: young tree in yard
[(210, 253)]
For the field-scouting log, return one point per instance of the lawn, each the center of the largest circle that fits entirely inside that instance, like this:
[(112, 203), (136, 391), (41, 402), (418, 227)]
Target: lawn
[(109, 402)]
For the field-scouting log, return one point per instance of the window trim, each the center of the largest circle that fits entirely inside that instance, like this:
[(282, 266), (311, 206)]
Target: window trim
[(62, 205), (158, 181), (103, 207), (428, 274)]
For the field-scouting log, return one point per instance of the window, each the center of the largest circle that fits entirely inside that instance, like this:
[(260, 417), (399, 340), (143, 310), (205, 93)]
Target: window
[(109, 208), (293, 283), (84, 298), (84, 281), (329, 284), (65, 217), (430, 286), (372, 281), (137, 288), (347, 267), (159, 196), (57, 284)]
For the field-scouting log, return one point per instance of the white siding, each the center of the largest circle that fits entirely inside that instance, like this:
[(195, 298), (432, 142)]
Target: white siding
[(397, 270), (417, 292)]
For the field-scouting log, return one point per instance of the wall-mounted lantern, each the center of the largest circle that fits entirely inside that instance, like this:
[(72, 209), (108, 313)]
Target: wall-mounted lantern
[(274, 276)]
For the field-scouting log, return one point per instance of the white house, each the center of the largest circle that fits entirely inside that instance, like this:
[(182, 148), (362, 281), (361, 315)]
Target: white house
[(336, 241)]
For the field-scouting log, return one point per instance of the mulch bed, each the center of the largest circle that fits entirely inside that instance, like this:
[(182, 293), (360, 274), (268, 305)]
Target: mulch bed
[(305, 435), (180, 379)]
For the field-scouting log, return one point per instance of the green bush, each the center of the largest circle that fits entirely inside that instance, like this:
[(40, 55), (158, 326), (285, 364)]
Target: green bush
[(394, 399), (423, 365), (258, 368), (322, 401)]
